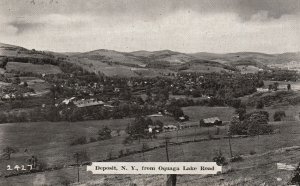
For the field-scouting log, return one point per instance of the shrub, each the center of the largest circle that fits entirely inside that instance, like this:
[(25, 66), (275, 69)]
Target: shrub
[(145, 147), (236, 158), (220, 159), (82, 156), (260, 104), (92, 139), (252, 152), (104, 133), (65, 182), (79, 141), (41, 165), (121, 153), (279, 115), (109, 155)]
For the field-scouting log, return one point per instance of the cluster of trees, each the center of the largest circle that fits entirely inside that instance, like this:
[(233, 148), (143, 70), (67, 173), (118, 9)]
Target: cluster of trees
[(139, 128), (177, 112), (34, 60), (254, 123)]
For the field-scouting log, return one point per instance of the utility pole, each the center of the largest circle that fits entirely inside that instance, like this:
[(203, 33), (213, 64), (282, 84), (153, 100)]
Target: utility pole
[(229, 141), (167, 153), (77, 162), (171, 179)]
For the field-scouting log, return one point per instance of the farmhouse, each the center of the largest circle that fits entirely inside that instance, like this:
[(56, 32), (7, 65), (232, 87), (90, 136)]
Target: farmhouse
[(210, 122)]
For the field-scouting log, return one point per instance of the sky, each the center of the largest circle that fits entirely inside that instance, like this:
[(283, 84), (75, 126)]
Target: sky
[(218, 26)]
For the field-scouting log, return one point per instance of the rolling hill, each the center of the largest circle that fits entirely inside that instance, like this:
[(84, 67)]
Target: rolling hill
[(150, 63)]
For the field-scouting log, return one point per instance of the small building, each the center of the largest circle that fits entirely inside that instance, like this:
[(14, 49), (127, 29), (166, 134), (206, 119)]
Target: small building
[(208, 122), (183, 118), (169, 128), (156, 115), (67, 101), (262, 90)]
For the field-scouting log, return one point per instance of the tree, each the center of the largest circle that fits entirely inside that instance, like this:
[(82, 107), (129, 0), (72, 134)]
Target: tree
[(79, 141), (241, 112), (276, 84), (8, 151), (4, 63), (257, 124), (104, 133), (270, 87), (260, 104), (260, 83), (176, 111), (296, 176), (289, 86), (25, 84)]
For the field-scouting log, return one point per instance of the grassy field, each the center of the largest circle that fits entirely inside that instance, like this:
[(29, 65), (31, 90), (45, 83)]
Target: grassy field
[(38, 85), (34, 68), (201, 112)]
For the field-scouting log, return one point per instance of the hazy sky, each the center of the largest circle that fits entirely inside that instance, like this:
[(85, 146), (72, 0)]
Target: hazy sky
[(220, 26)]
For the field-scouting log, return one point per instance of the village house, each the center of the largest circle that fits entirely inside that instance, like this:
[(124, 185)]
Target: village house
[(168, 128), (88, 102)]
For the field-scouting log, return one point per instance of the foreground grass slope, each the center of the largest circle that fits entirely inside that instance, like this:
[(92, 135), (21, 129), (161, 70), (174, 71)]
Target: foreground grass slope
[(257, 152)]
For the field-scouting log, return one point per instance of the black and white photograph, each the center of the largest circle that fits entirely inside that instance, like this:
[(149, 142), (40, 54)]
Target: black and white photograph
[(149, 92)]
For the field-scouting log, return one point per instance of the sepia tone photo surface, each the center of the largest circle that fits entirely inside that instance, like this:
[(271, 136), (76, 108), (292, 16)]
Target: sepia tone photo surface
[(144, 81)]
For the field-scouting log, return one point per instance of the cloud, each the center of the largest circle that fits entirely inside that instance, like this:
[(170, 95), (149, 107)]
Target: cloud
[(22, 26), (153, 9), (127, 25)]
